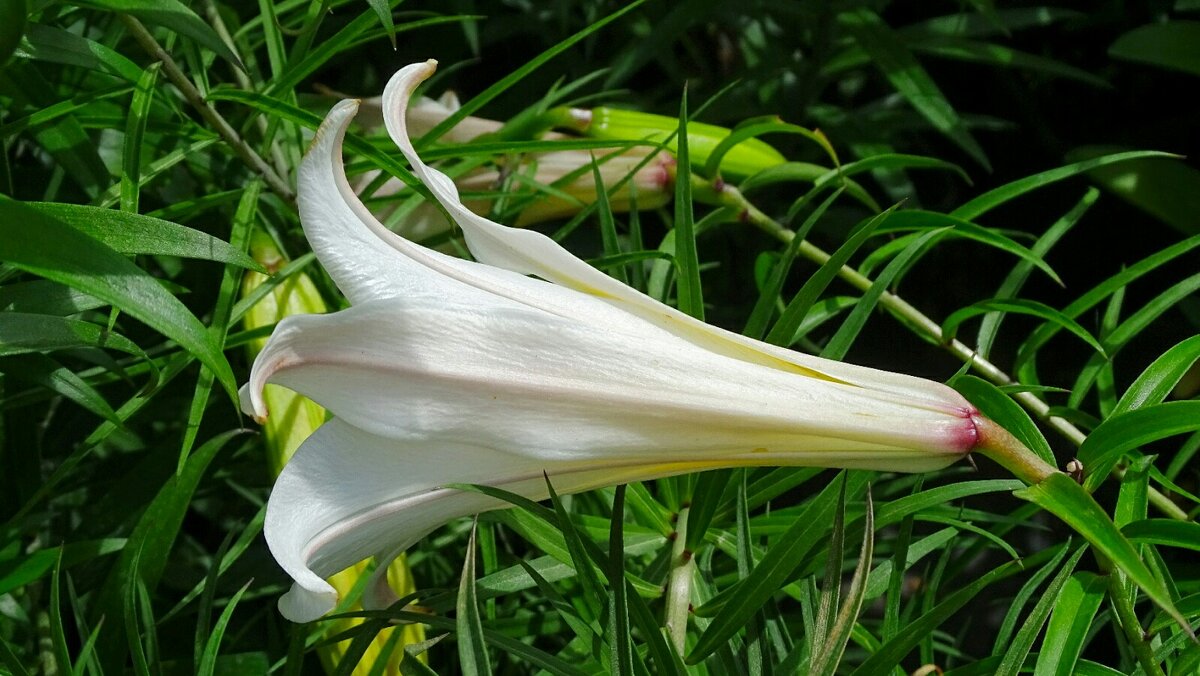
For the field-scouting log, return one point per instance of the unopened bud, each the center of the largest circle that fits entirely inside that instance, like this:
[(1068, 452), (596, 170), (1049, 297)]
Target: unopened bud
[(746, 158)]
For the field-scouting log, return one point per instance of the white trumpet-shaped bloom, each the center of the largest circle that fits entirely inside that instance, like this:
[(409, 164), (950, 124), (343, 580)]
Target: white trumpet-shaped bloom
[(448, 371)]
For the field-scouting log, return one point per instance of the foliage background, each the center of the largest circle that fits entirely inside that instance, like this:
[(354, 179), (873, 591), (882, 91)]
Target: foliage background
[(1032, 87)]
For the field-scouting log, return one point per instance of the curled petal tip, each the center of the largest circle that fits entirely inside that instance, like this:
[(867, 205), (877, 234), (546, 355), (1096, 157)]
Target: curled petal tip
[(252, 404), (339, 116), (306, 605)]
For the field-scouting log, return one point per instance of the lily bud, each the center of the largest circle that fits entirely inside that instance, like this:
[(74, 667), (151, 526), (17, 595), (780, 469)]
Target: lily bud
[(624, 173), (446, 371), (747, 157)]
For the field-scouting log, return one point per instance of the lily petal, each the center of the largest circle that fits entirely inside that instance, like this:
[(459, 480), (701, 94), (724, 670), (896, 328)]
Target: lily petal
[(532, 253), (368, 262)]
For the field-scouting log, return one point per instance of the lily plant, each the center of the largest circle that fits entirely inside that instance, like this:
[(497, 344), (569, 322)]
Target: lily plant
[(529, 362)]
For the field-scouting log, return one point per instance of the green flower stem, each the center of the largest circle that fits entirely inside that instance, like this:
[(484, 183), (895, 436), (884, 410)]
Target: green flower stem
[(998, 444), (210, 114), (729, 196), (1127, 618), (679, 586)]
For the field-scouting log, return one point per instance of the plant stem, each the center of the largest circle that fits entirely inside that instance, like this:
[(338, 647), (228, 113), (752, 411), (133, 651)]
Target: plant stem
[(732, 197), (679, 586), (243, 80), (210, 115), (998, 444), (1127, 618)]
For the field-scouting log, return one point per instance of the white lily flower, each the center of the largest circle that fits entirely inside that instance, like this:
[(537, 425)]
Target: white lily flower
[(449, 371)]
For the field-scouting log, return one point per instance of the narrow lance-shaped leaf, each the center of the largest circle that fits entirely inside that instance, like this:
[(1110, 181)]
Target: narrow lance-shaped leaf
[(46, 246), (910, 78), (687, 265), (171, 14), (472, 652), (1061, 496)]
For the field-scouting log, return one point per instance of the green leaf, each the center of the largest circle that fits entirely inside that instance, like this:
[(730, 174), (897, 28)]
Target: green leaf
[(1016, 605), (1174, 45), (1018, 649), (12, 26), (990, 326), (833, 646), (1062, 497), (775, 568), (58, 639), (909, 78), (789, 321), (1160, 377), (144, 558), (43, 371), (1023, 364), (384, 11), (756, 325), (756, 648), (1009, 191), (23, 570), (1070, 625), (706, 498), (1182, 534), (483, 98), (286, 111), (884, 660), (993, 54), (44, 297), (349, 36), (1166, 188), (8, 657), (1105, 446), (135, 130), (22, 333), (578, 548), (135, 235), (751, 129), (1119, 336), (840, 344), (621, 656), (208, 659), (170, 14), (55, 45), (916, 219), (608, 226), (511, 646), (998, 22), (472, 651), (687, 265), (243, 223), (1018, 306), (46, 246)]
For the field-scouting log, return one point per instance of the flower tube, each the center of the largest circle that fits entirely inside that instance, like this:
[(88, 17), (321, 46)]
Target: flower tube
[(447, 371)]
